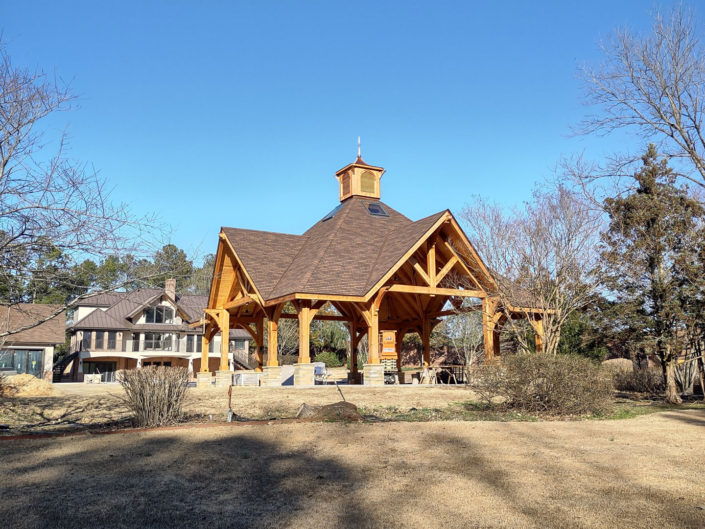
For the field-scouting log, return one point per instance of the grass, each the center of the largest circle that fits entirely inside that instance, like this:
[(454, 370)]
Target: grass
[(469, 474)]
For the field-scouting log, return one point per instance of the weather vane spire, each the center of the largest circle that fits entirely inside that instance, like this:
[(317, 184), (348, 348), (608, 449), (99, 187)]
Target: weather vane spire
[(358, 147)]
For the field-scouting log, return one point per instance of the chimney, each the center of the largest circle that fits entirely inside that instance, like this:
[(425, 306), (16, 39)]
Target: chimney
[(170, 288)]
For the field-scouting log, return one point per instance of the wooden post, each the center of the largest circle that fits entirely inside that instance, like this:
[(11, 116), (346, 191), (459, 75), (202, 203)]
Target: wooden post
[(353, 347), (205, 343), (397, 347), (272, 342), (224, 339), (304, 309), (489, 329), (373, 337), (259, 325), (426, 341)]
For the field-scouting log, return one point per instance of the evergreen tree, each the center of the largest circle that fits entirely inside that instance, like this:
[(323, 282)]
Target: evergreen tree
[(650, 229)]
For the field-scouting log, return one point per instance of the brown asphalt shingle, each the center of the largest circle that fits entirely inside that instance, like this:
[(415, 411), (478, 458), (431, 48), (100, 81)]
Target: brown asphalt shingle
[(344, 255), (51, 332)]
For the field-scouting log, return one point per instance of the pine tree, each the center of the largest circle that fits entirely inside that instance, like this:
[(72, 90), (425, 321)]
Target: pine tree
[(650, 229)]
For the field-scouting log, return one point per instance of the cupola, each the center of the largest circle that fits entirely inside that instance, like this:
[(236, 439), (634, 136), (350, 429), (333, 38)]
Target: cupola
[(359, 179)]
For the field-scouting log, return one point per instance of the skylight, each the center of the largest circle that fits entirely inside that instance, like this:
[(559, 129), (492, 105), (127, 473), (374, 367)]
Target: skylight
[(376, 209), (332, 213)]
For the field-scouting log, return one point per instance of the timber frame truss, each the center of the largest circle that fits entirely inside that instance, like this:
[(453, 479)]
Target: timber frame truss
[(441, 268)]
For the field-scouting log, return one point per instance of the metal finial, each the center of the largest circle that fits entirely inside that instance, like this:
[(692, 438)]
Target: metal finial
[(358, 147)]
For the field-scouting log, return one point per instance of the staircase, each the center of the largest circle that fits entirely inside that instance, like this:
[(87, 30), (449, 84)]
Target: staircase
[(58, 368)]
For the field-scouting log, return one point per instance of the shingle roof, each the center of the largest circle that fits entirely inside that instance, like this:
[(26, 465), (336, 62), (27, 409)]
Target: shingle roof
[(319, 261), (101, 319), (126, 304), (51, 332)]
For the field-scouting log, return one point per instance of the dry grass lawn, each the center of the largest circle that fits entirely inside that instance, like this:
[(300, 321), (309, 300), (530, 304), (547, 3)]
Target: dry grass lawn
[(641, 473), (79, 405)]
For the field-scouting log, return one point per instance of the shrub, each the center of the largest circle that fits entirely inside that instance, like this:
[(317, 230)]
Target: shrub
[(559, 385), (155, 394), (329, 358), (641, 380), (6, 390)]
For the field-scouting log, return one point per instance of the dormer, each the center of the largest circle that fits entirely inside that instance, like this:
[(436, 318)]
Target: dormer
[(359, 179)]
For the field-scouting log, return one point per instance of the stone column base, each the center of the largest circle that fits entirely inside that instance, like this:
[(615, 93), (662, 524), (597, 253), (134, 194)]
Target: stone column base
[(223, 379), (354, 378), (373, 375), (203, 380), (271, 376), (303, 375)]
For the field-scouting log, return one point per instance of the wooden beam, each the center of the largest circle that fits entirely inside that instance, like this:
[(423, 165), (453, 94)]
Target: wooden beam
[(238, 302), (447, 268), (304, 311), (420, 271), (452, 251), (259, 329), (431, 264), (426, 341), (325, 317), (205, 343), (413, 289), (224, 340)]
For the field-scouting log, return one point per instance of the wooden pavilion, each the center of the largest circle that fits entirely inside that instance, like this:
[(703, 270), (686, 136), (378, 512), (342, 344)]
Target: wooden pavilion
[(377, 268)]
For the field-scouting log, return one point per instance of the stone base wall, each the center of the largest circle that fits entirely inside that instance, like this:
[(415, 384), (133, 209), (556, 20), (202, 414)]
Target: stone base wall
[(303, 375), (223, 379), (373, 375), (203, 380), (271, 376)]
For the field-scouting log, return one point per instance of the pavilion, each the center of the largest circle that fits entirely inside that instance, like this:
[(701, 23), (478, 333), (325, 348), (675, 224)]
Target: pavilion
[(380, 270)]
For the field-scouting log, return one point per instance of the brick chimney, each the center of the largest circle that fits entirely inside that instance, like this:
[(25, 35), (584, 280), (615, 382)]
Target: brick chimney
[(170, 287)]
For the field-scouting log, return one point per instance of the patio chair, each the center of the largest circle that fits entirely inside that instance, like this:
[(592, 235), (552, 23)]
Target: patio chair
[(320, 373)]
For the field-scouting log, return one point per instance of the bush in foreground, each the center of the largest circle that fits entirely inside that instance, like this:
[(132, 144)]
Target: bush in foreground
[(155, 394), (556, 385), (641, 380)]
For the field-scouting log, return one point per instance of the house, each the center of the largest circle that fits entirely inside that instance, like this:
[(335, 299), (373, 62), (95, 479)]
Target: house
[(379, 272), (113, 331), (31, 350)]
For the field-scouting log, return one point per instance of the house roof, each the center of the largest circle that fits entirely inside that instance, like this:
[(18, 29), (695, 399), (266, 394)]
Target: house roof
[(346, 254), (50, 332), (125, 305)]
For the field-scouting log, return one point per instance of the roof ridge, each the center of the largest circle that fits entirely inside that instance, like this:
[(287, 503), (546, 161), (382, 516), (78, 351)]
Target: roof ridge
[(323, 249), (261, 231)]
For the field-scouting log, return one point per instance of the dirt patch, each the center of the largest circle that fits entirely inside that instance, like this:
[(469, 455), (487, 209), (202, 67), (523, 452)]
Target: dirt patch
[(27, 386), (640, 473), (339, 411)]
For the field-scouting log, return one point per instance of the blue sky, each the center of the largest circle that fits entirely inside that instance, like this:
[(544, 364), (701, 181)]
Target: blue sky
[(239, 113)]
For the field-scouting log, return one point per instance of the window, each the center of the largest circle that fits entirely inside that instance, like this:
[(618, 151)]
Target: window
[(159, 314), (346, 184), (135, 341), (376, 209), (154, 341), (86, 342), (367, 182), (332, 213), (99, 339), (112, 340), (199, 343), (237, 345), (211, 345), (189, 343), (22, 361)]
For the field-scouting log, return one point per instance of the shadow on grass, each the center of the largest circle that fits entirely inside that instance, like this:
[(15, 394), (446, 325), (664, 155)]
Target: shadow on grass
[(174, 481)]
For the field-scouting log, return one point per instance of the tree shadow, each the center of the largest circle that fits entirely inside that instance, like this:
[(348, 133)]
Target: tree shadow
[(168, 480), (695, 417)]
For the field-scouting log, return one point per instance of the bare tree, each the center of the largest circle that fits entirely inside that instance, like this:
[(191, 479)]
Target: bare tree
[(652, 85), (543, 256), (50, 204), (464, 332)]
